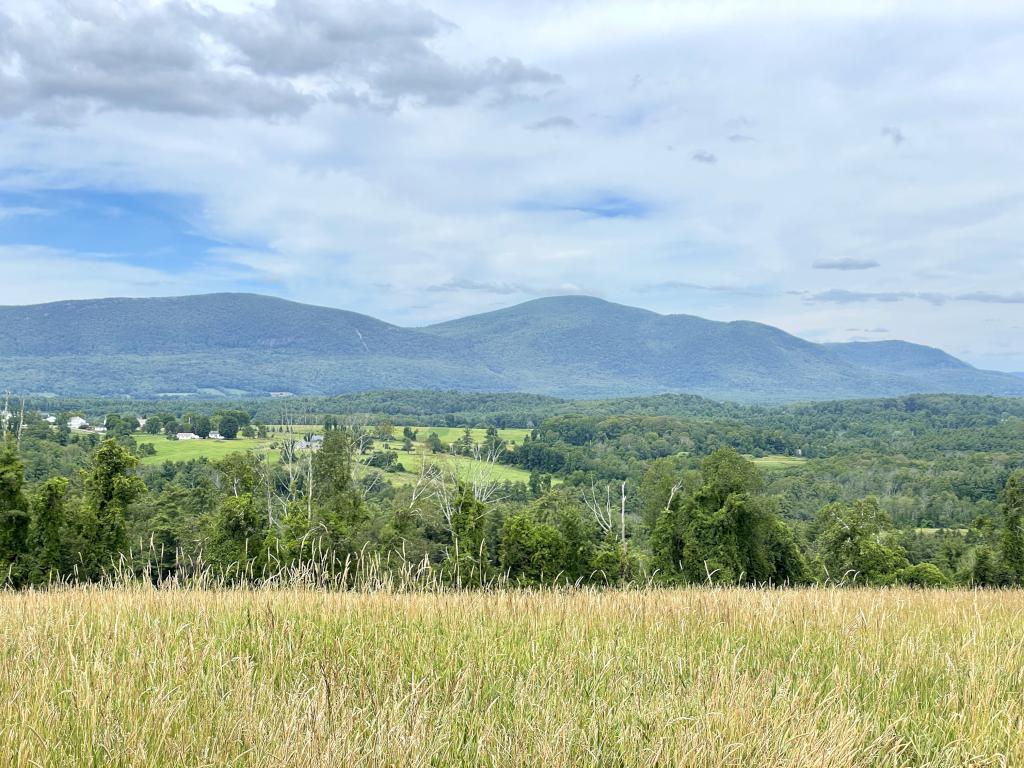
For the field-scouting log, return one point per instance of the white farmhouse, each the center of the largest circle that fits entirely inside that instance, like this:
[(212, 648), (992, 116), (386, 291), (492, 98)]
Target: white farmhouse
[(77, 422), (188, 436), (215, 435)]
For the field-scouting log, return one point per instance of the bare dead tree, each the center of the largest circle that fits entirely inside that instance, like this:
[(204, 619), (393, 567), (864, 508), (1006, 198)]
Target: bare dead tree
[(376, 478), (604, 510), (482, 474), (673, 492), (289, 458), (308, 462), (601, 509), (21, 422)]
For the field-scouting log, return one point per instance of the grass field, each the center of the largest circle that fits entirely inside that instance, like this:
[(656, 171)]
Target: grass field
[(414, 461), (447, 435), (778, 462), (183, 450), (451, 434), (843, 679)]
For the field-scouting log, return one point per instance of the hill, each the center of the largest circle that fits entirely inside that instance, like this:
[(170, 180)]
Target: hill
[(238, 344)]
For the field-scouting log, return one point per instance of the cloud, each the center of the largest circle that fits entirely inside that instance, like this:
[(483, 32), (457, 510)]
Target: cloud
[(12, 211), (556, 122), (846, 264), (893, 134), (462, 284), (703, 156), (681, 285), (608, 205), (841, 296), (70, 56), (992, 298), (328, 148)]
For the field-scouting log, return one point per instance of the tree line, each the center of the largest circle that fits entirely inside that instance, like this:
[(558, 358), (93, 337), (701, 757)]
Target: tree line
[(80, 507)]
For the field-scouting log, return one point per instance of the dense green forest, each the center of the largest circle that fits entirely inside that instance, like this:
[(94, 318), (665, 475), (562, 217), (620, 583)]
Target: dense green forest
[(670, 489)]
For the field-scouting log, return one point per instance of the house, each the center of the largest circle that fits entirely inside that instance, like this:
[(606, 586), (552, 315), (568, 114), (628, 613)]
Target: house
[(215, 435), (50, 419), (77, 422), (101, 430), (187, 436)]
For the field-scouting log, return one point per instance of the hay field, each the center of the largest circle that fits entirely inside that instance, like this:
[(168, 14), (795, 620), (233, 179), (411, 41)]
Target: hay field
[(703, 677)]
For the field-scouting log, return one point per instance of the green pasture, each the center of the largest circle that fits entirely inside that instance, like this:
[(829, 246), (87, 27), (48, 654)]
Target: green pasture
[(778, 462), (184, 450)]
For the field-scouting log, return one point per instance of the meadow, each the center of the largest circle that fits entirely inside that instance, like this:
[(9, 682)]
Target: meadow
[(134, 676), (185, 450)]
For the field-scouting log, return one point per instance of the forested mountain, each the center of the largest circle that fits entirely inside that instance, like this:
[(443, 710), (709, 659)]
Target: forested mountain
[(235, 344)]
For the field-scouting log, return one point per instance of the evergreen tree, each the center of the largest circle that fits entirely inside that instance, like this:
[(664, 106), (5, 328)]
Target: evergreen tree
[(1012, 539), (236, 537), (14, 513), (338, 508), (46, 530), (110, 486)]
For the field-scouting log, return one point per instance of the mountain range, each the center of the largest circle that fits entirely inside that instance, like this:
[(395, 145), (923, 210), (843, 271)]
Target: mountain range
[(574, 346)]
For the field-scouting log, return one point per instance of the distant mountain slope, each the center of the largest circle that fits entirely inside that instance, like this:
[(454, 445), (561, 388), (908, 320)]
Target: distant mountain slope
[(897, 356), (211, 322), (234, 344)]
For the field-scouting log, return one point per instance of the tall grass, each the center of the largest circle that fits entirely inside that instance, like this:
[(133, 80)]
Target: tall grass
[(178, 676)]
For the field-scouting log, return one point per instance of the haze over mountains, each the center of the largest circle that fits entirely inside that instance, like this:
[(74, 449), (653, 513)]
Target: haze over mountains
[(574, 346)]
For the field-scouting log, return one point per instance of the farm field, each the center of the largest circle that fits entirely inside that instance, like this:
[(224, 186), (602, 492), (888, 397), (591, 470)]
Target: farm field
[(451, 434), (447, 435), (778, 462), (717, 677), (413, 462), (184, 450)]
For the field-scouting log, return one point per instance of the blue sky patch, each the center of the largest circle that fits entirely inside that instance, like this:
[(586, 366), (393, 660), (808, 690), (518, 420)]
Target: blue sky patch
[(598, 206), (145, 229)]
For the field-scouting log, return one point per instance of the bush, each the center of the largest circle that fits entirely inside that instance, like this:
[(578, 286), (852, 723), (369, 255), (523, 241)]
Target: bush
[(922, 575)]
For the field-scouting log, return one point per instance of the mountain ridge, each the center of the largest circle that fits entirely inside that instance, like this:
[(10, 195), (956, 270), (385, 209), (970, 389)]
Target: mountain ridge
[(576, 346)]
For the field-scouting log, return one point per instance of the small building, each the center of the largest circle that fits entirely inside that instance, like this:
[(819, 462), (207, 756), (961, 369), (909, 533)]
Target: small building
[(100, 430), (142, 422), (187, 436), (215, 435), (50, 419), (77, 422)]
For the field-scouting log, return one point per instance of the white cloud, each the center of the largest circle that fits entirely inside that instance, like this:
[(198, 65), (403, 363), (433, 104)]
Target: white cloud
[(259, 112)]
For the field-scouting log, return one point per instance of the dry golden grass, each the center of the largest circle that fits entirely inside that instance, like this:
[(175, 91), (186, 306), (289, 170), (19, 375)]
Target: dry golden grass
[(180, 677)]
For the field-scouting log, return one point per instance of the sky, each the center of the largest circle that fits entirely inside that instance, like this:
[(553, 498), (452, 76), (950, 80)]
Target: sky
[(842, 170)]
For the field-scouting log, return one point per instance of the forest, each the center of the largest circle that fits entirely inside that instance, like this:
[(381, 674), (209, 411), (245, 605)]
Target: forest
[(923, 490)]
